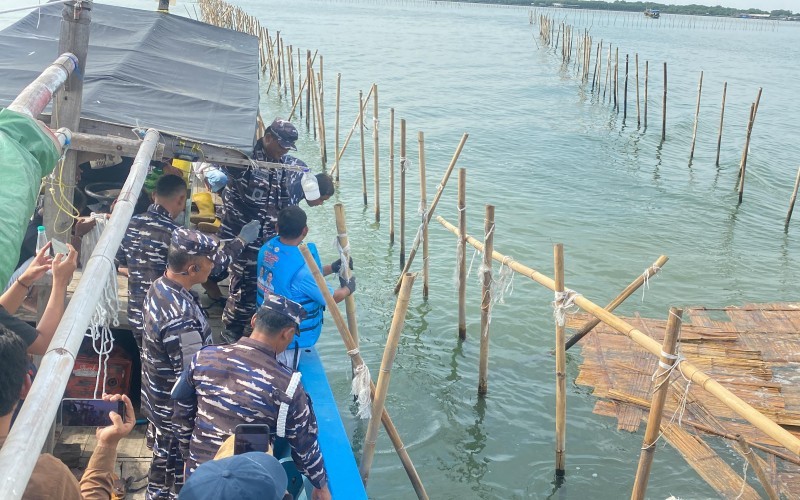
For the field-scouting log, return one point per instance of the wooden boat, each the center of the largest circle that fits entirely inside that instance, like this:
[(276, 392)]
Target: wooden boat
[(652, 13)]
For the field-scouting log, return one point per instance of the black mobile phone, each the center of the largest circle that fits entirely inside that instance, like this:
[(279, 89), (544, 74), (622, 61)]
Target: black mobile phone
[(251, 437), (89, 412)]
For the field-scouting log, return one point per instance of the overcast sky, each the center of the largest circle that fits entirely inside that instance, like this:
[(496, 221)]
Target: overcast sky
[(793, 5)]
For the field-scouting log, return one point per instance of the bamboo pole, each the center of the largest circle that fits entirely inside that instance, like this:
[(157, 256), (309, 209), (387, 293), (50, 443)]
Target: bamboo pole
[(661, 385), (278, 58), (352, 347), (623, 295), (743, 164), (344, 242), (403, 164), (361, 143), (350, 134), (721, 120), (696, 117), (316, 124), (597, 65), (616, 79), (638, 114), (290, 65), (300, 86), (646, 73), (323, 131), (423, 200), (754, 462), (561, 366), (309, 74), (744, 410), (608, 72), (462, 253), (336, 145), (391, 176), (304, 86), (376, 154), (382, 387), (664, 108), (625, 96), (486, 300), (436, 198), (794, 198)]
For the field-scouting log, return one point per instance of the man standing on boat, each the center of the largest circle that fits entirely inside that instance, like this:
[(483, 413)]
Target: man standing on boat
[(256, 194), (227, 385), (175, 328), (283, 271)]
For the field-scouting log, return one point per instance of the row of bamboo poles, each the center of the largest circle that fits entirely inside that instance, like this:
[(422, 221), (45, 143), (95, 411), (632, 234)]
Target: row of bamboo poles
[(588, 58)]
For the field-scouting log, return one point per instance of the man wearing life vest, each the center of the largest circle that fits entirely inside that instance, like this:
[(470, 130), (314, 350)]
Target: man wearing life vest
[(282, 271)]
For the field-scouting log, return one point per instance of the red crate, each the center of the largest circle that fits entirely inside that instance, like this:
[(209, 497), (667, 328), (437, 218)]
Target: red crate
[(84, 374)]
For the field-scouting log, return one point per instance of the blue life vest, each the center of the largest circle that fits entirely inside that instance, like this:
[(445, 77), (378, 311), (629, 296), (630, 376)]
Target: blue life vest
[(278, 264)]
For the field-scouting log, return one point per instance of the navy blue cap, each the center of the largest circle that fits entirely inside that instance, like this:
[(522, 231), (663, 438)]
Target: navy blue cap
[(194, 242), (282, 305), (249, 475), (284, 132)]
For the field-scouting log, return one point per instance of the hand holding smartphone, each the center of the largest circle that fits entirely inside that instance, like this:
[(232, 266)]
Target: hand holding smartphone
[(251, 437), (89, 412)]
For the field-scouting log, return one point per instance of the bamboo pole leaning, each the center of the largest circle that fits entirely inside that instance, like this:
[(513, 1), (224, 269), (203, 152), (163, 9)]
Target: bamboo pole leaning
[(754, 462), (696, 118), (423, 201), (434, 203), (382, 387), (721, 120), (743, 163), (461, 253), (486, 300), (726, 397), (561, 361), (376, 154), (661, 384), (361, 143), (344, 243), (304, 86), (792, 201), (350, 134), (352, 351)]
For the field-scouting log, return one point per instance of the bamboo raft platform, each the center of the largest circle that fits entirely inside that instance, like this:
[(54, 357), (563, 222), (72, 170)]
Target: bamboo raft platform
[(753, 349)]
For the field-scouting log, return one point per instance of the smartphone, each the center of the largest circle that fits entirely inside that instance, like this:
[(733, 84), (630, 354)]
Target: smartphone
[(251, 437), (89, 412), (58, 247)]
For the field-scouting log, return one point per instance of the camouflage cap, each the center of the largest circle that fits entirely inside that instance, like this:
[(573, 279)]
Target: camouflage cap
[(194, 242), (284, 132), (282, 305)]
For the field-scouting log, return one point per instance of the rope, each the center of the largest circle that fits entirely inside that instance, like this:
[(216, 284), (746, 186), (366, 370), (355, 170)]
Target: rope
[(654, 269), (361, 389), (344, 256), (563, 302), (405, 163), (375, 127), (744, 476)]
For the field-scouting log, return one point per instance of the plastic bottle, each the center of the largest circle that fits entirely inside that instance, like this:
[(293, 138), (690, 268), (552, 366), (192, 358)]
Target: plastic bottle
[(41, 238), (310, 186)]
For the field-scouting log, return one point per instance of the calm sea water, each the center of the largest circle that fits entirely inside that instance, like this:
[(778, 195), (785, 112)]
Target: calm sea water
[(560, 167)]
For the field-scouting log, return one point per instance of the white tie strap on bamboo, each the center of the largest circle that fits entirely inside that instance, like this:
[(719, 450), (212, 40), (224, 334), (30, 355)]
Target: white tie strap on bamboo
[(563, 303)]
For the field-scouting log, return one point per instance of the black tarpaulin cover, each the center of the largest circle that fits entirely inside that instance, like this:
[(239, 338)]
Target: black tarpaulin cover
[(147, 69)]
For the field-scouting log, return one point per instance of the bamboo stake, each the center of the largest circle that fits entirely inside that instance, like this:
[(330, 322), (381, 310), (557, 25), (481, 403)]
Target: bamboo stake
[(361, 142), (309, 74), (376, 154), (391, 176), (598, 63), (382, 387), (625, 97), (664, 108), (278, 58), (352, 130), (486, 301), (696, 118), (462, 253), (439, 191), (616, 79), (403, 165), (623, 295), (423, 200), (794, 198), (316, 117), (721, 120), (661, 388), (608, 72), (290, 64), (638, 114), (344, 242), (351, 347), (561, 367), (300, 86), (726, 397), (336, 145), (754, 462), (646, 72), (323, 133), (743, 164)]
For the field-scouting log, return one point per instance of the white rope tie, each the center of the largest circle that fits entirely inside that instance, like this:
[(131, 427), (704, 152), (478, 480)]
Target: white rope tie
[(344, 255), (744, 476), (353, 352), (504, 284), (361, 390), (405, 163), (562, 304), (375, 127), (649, 273)]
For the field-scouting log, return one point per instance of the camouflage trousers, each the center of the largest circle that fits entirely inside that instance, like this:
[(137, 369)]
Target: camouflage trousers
[(166, 470), (241, 304), (136, 320)]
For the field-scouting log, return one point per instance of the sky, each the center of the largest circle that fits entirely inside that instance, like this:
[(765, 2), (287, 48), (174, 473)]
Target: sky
[(793, 5)]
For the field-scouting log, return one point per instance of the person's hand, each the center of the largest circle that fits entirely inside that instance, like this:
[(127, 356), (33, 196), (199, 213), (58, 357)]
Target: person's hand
[(349, 284), (250, 231), (321, 493), (83, 225), (119, 428), (64, 266), (40, 264), (336, 265)]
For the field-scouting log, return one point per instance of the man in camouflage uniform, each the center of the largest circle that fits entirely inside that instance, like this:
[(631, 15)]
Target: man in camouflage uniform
[(144, 247), (175, 328), (255, 194), (228, 385)]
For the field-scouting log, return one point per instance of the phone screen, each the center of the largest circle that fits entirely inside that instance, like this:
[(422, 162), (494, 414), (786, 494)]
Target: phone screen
[(58, 247), (89, 412), (251, 437)]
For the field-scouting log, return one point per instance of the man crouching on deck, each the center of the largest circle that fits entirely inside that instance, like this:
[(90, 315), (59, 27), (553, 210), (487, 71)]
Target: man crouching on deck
[(243, 383)]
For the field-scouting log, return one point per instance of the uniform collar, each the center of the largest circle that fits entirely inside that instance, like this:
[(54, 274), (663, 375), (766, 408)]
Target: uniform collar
[(257, 345), (156, 209)]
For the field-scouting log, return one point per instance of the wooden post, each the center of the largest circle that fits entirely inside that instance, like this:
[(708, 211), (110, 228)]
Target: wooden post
[(638, 114), (323, 136), (743, 164), (755, 464), (598, 63), (696, 118), (163, 5), (660, 389), (462, 253), (635, 284), (486, 301), (403, 164), (391, 176), (317, 118), (721, 120), (794, 198), (278, 58), (344, 242), (561, 367), (646, 73), (625, 97), (608, 72), (338, 102), (376, 154), (382, 387), (616, 79), (290, 65), (664, 108), (74, 38), (361, 136), (423, 200), (299, 85), (309, 74)]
